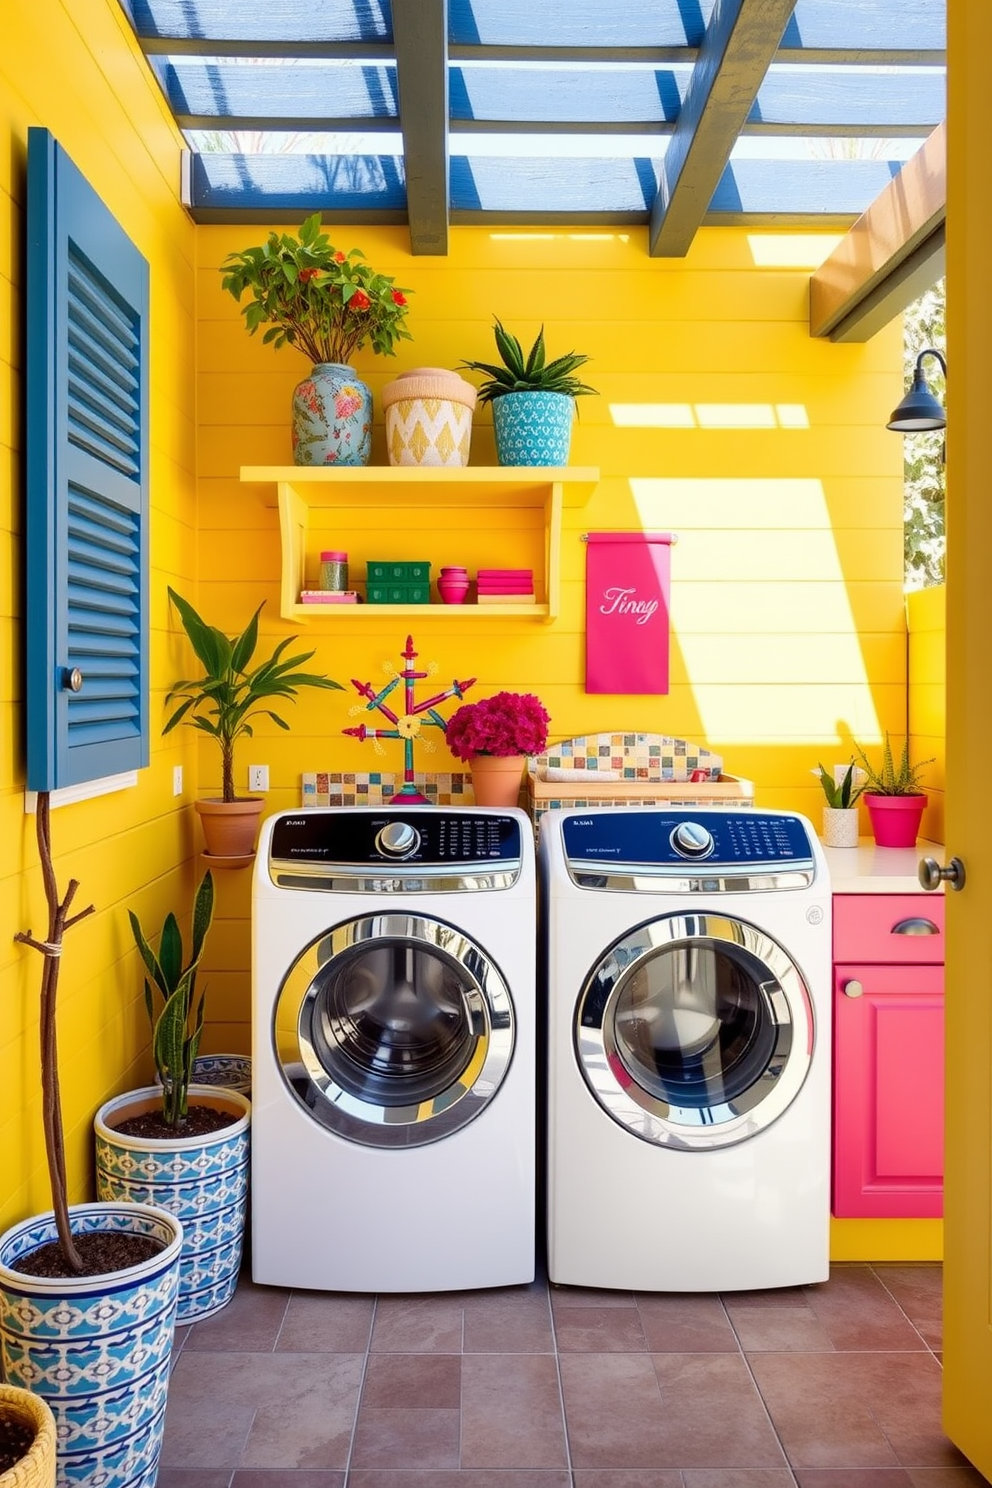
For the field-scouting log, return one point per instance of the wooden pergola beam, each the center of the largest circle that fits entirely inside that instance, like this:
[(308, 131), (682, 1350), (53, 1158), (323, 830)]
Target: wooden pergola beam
[(420, 35), (741, 40), (892, 254)]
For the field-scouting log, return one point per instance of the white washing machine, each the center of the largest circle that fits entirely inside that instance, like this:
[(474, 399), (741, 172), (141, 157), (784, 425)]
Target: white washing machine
[(393, 1069), (688, 971)]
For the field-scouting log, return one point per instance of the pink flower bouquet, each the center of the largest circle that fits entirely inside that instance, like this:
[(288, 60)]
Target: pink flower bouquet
[(505, 724)]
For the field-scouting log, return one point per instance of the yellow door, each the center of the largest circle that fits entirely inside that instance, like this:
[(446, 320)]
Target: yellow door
[(968, 1201)]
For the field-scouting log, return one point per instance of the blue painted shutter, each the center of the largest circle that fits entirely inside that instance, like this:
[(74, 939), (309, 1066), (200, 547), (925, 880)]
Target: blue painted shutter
[(87, 480)]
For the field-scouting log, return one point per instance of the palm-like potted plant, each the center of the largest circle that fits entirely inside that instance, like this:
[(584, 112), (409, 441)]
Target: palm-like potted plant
[(495, 736), (327, 302), (533, 399), (179, 1145), (222, 703), (840, 814), (893, 795)]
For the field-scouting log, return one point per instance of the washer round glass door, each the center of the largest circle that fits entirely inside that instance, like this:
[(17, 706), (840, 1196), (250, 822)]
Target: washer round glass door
[(695, 1031), (393, 1030)]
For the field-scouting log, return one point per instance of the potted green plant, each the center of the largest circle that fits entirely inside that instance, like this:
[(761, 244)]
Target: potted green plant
[(533, 400), (179, 1145), (74, 1280), (840, 814), (495, 736), (327, 302), (893, 796), (222, 703)]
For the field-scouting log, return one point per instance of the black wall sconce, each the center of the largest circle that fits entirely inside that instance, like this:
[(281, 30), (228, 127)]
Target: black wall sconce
[(919, 410)]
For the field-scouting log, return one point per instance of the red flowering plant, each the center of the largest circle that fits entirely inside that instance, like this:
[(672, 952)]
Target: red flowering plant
[(508, 723), (311, 295)]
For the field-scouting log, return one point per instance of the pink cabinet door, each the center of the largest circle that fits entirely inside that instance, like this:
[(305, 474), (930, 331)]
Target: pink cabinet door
[(888, 1092)]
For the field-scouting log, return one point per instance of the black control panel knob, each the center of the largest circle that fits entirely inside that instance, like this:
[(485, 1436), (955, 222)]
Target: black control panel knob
[(691, 840), (397, 839)]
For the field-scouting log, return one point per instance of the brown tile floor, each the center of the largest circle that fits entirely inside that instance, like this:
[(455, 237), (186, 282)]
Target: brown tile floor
[(832, 1386)]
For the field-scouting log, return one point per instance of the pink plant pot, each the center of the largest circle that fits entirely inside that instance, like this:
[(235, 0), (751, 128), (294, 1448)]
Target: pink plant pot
[(895, 820), (452, 589)]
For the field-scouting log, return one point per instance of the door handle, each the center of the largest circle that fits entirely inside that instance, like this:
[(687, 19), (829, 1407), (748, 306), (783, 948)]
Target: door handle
[(932, 875), (852, 989)]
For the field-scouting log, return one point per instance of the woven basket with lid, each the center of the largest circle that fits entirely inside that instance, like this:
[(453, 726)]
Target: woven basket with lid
[(428, 413)]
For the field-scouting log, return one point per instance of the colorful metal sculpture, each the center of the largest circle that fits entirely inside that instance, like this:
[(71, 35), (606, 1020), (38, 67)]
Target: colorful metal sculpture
[(408, 725)]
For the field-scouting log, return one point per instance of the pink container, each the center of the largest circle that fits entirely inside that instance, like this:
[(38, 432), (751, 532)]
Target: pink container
[(453, 585), (895, 820)]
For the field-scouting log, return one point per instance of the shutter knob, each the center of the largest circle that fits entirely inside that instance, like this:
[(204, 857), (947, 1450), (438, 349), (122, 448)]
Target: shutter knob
[(72, 679)]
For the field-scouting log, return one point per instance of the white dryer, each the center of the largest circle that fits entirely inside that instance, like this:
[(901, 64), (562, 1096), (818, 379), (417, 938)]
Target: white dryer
[(688, 972), (393, 1070)]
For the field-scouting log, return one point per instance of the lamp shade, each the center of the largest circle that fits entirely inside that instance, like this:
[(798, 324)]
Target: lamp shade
[(919, 410)]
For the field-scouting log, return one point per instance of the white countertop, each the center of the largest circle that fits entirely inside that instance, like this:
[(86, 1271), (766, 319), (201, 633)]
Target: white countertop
[(867, 869)]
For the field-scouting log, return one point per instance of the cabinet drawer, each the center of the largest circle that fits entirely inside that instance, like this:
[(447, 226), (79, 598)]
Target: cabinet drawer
[(889, 928)]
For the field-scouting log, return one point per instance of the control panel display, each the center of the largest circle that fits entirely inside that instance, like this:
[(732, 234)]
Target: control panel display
[(708, 842), (426, 838)]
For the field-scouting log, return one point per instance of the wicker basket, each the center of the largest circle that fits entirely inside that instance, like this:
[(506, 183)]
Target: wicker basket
[(37, 1469)]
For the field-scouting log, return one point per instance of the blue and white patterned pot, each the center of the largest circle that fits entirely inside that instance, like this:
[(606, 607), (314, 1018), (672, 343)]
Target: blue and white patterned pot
[(203, 1180), (98, 1348), (533, 428), (228, 1071), (332, 417)]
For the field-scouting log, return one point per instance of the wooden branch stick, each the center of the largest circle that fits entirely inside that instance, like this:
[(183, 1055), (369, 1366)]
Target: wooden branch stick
[(51, 1097)]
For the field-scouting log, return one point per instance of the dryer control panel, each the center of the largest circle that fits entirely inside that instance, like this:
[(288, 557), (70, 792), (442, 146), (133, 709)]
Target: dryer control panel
[(709, 850), (389, 850)]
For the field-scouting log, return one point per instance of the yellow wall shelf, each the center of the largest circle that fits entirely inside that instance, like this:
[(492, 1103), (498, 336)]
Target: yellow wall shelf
[(298, 491)]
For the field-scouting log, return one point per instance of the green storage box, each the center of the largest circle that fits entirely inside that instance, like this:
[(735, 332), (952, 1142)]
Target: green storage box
[(392, 572), (391, 593)]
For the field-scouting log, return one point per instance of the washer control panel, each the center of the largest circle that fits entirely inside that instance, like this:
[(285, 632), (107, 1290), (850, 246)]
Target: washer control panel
[(422, 840), (680, 842)]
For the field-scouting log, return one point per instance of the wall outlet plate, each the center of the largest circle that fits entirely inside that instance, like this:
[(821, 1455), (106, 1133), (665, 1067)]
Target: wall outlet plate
[(258, 777), (177, 780)]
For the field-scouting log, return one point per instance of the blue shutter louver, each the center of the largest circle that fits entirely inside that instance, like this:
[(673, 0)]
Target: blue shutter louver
[(87, 497)]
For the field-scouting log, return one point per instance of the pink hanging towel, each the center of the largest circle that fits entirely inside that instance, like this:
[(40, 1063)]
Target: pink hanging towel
[(627, 589)]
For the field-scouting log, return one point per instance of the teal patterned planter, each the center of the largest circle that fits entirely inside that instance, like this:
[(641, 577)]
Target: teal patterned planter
[(533, 428), (98, 1348), (332, 417), (201, 1180)]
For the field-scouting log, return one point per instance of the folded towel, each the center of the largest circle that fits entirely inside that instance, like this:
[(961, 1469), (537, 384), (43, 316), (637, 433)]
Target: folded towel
[(593, 777)]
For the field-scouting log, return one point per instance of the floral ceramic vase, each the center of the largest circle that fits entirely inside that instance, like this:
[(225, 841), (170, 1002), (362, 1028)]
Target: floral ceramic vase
[(332, 417), (497, 778), (533, 428), (428, 414)]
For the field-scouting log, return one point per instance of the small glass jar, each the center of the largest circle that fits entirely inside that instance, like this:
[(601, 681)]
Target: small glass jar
[(333, 570)]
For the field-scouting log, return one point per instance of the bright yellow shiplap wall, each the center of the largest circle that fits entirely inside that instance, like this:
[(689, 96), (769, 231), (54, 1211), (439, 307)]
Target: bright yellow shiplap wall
[(718, 418), (75, 69), (926, 611)]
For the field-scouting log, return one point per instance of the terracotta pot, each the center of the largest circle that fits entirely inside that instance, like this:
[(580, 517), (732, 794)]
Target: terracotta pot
[(895, 820), (497, 779), (36, 1469), (230, 829), (840, 826)]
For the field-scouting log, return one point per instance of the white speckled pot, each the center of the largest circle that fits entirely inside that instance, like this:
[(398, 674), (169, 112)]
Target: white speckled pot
[(840, 826)]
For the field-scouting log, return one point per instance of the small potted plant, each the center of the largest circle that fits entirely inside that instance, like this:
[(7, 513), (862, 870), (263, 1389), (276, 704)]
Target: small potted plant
[(327, 302), (179, 1145), (495, 736), (840, 814), (533, 400), (893, 796), (222, 703)]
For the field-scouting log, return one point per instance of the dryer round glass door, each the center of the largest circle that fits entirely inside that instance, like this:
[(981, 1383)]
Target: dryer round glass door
[(393, 1030), (695, 1031)]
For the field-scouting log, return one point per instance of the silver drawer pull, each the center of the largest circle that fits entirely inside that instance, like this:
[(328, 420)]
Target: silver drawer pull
[(852, 989), (916, 927)]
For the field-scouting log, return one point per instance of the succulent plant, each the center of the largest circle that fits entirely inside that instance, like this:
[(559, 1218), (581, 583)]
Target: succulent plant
[(532, 373)]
